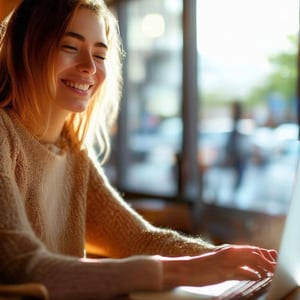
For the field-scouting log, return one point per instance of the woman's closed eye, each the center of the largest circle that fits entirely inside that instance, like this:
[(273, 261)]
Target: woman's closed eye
[(73, 49), (100, 56), (69, 48)]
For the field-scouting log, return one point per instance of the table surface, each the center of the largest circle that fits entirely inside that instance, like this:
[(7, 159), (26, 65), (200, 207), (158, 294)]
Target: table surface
[(295, 295)]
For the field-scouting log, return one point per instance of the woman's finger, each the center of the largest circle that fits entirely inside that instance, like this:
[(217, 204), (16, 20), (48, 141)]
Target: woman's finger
[(269, 254), (249, 274)]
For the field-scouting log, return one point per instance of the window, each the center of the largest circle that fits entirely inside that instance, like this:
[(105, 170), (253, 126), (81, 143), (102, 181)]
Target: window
[(247, 54), (248, 121), (153, 96)]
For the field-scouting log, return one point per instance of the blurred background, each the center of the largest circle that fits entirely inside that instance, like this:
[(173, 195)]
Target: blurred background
[(206, 141), (207, 137)]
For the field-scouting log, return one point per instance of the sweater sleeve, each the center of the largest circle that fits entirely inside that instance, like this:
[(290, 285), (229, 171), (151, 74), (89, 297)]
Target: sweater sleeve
[(24, 258), (114, 229)]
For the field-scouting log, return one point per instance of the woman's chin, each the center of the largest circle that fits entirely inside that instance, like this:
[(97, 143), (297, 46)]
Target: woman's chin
[(78, 107)]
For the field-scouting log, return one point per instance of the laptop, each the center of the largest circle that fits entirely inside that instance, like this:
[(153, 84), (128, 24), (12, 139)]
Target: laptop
[(285, 279)]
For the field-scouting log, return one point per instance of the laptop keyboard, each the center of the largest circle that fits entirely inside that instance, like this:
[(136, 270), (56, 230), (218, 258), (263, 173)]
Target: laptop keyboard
[(246, 290)]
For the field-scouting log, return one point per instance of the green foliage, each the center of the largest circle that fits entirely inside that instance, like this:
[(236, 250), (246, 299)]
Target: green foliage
[(283, 80)]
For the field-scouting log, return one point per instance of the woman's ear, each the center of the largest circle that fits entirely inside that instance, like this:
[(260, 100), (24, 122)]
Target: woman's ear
[(6, 7)]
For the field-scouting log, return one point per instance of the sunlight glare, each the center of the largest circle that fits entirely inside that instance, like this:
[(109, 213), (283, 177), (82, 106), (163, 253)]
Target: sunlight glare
[(153, 25)]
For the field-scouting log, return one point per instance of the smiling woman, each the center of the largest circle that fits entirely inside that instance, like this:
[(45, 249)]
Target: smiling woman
[(60, 66), (80, 66), (80, 60)]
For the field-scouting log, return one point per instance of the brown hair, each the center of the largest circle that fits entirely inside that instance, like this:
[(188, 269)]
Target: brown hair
[(29, 41)]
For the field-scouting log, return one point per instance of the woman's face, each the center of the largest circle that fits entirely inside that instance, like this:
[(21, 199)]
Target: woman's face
[(80, 65)]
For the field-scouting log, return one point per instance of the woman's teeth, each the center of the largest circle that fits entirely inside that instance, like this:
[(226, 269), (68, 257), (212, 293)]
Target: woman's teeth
[(78, 86)]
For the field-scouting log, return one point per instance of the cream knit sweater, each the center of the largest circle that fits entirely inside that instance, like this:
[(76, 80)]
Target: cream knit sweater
[(53, 204)]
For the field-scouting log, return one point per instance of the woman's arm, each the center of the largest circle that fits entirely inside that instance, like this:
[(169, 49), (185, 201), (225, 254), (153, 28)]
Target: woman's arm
[(114, 229)]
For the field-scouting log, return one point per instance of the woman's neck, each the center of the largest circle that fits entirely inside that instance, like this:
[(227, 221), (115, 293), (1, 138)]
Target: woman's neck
[(53, 129), (49, 130)]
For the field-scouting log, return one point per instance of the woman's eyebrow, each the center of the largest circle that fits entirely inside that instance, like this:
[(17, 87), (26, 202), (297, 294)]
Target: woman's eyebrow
[(82, 38)]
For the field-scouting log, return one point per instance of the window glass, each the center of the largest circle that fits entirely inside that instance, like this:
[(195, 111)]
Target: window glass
[(247, 124), (154, 71)]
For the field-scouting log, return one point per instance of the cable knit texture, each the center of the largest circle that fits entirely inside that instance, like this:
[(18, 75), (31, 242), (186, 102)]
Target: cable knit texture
[(53, 204)]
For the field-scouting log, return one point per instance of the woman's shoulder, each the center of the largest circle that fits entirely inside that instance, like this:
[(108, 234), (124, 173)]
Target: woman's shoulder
[(12, 131), (13, 128), (10, 125), (9, 142), (6, 123), (3, 114)]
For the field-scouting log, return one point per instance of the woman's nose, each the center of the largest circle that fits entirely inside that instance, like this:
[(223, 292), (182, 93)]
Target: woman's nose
[(86, 63)]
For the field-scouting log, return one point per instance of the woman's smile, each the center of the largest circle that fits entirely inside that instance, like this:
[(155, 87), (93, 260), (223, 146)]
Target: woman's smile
[(77, 86)]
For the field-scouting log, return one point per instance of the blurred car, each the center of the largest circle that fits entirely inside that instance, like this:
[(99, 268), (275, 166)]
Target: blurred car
[(270, 143), (167, 139)]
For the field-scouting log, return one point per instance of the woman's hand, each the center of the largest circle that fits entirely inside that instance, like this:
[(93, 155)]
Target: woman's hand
[(228, 262)]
